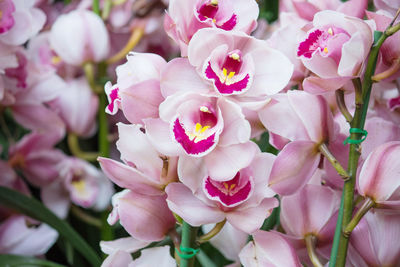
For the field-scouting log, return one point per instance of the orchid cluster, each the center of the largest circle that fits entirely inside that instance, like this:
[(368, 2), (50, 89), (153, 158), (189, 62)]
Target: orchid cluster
[(240, 140)]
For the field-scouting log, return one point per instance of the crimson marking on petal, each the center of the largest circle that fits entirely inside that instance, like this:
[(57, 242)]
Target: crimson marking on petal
[(225, 193), (394, 103), (306, 48), (223, 88), (190, 146), (6, 18), (113, 97), (229, 24)]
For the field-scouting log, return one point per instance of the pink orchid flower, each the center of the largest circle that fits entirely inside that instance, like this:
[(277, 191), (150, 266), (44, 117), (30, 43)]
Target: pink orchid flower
[(146, 171), (138, 84), (268, 249), (307, 121), (19, 235), (70, 104), (335, 50), (244, 200), (237, 64), (80, 36), (378, 178), (144, 217), (35, 156), (375, 239), (203, 127), (186, 17), (301, 216), (19, 21)]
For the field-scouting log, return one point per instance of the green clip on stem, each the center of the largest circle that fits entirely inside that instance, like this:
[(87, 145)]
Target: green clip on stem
[(356, 141), (187, 253)]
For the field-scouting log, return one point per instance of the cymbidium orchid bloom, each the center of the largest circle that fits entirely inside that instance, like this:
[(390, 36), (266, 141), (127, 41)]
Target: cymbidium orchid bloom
[(144, 217), (22, 236), (378, 179), (19, 21), (145, 171), (77, 96), (238, 65), (244, 200), (301, 217), (185, 17), (375, 239), (334, 49), (145, 175), (80, 36), (138, 84), (197, 126), (79, 182), (268, 249), (307, 122), (35, 156)]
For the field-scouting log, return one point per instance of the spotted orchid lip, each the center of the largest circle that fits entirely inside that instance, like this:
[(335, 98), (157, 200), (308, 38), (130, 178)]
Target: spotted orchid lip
[(6, 18), (114, 99), (229, 193)]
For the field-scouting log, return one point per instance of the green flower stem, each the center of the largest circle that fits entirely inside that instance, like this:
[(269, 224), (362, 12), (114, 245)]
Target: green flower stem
[(73, 145), (362, 101), (311, 241), (367, 205), (204, 260), (96, 7), (189, 234), (335, 163), (213, 232)]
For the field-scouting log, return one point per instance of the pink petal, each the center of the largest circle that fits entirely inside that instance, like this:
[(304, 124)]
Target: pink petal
[(146, 218), (182, 202), (136, 149), (159, 135), (127, 244), (224, 162), (251, 219), (128, 177), (180, 76), (146, 95), (378, 177), (294, 166), (236, 127), (301, 212), (191, 172), (117, 258)]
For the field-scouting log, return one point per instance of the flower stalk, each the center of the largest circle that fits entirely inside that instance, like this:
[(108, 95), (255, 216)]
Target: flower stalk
[(311, 241), (213, 232)]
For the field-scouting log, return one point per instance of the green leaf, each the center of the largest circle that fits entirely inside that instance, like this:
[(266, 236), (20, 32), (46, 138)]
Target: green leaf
[(7, 260), (33, 208)]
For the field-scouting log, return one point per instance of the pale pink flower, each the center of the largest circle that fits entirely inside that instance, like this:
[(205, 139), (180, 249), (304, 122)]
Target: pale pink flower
[(185, 17), (237, 64), (144, 217), (375, 239), (335, 50), (20, 21), (138, 84), (378, 178), (244, 199), (390, 6), (80, 36), (77, 105), (307, 121), (20, 235), (268, 249), (35, 156)]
